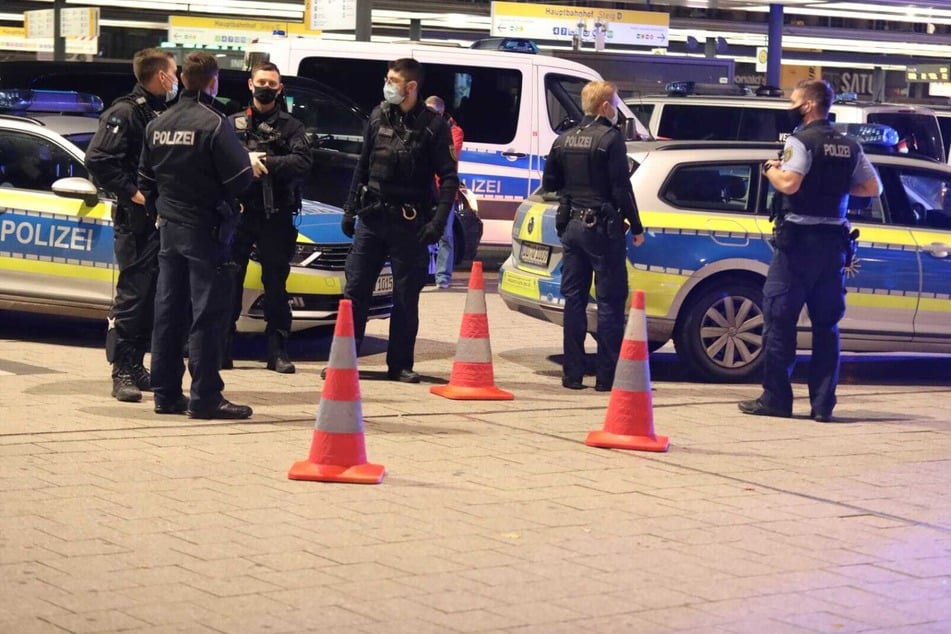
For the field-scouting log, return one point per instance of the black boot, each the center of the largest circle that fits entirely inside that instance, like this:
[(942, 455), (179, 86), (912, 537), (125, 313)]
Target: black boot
[(277, 358), (123, 386)]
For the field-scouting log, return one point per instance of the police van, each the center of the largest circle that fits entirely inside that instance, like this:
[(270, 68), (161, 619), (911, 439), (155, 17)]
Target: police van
[(511, 106), (686, 114)]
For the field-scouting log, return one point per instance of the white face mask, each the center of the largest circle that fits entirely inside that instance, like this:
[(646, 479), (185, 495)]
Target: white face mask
[(613, 118), (172, 92), (392, 94)]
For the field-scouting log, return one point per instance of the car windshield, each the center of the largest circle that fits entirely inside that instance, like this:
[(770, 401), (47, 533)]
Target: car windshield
[(918, 134), (80, 140)]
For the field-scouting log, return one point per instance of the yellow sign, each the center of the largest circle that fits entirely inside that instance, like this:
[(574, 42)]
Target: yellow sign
[(556, 22), (192, 31)]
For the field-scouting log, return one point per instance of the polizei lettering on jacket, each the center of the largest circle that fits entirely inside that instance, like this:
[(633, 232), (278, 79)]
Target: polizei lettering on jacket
[(47, 235), (582, 141), (834, 149), (173, 137)]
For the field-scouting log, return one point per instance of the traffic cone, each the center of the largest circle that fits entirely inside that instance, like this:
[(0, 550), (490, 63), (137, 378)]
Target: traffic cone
[(629, 423), (338, 452), (472, 378)]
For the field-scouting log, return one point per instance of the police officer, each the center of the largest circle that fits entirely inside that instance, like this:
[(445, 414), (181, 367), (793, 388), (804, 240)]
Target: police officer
[(192, 168), (113, 161), (280, 156), (588, 167), (393, 211), (818, 171)]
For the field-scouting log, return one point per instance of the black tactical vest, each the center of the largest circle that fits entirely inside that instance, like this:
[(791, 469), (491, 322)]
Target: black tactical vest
[(400, 168), (825, 189), (586, 180)]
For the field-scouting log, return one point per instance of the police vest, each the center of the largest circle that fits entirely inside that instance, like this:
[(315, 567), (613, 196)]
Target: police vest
[(586, 180), (270, 139), (399, 163), (825, 189)]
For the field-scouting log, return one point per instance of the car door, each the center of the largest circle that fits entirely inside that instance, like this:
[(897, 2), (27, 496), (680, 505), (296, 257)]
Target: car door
[(923, 201), (55, 253)]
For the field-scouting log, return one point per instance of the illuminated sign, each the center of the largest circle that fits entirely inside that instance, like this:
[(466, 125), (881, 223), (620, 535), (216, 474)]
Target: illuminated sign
[(556, 22)]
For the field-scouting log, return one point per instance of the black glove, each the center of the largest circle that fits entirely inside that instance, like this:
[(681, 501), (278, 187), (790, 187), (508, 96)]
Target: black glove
[(348, 224), (430, 233)]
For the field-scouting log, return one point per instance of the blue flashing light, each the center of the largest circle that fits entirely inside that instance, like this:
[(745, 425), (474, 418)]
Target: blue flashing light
[(846, 96), (870, 133), (62, 101)]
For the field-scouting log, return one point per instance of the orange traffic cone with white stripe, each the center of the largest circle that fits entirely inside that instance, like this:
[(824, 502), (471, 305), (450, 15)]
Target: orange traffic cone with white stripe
[(629, 423), (472, 377), (338, 452)]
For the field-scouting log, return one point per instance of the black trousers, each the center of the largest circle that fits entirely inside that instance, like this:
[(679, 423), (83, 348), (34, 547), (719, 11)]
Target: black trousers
[(189, 270), (379, 237), (136, 250), (809, 272), (275, 238), (591, 251)]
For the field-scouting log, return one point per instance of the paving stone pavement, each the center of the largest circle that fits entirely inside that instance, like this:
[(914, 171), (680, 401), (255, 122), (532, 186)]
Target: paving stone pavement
[(493, 516)]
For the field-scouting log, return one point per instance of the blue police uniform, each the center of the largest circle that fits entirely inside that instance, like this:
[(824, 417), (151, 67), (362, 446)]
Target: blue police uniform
[(393, 192), (268, 220), (192, 168), (808, 265), (112, 159), (588, 167)]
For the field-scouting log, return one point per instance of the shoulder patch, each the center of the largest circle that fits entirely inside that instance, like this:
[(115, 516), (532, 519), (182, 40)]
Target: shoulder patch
[(452, 153), (787, 153)]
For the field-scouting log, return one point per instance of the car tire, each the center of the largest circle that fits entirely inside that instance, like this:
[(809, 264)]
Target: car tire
[(720, 333)]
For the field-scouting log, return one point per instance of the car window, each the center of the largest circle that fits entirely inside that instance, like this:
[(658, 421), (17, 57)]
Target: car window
[(918, 134), (563, 98), (329, 122), (929, 196), (30, 161), (485, 101), (724, 187), (700, 122)]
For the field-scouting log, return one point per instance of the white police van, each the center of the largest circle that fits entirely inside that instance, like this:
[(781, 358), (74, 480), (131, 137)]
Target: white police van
[(510, 106), (689, 113)]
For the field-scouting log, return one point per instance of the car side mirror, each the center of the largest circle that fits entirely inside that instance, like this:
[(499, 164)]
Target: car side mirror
[(77, 187)]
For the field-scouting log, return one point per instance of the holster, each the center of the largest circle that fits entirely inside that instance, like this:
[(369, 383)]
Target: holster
[(133, 218), (783, 234), (851, 240), (562, 216)]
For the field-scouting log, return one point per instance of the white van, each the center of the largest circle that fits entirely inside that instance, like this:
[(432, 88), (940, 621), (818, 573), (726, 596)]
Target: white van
[(511, 106), (751, 118)]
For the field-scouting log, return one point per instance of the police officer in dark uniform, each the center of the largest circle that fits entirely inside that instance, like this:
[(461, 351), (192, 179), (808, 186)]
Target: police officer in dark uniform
[(280, 156), (588, 167), (113, 162), (393, 211), (820, 168), (192, 169)]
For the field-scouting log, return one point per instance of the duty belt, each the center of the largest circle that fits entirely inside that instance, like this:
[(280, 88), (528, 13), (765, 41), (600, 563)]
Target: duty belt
[(586, 215)]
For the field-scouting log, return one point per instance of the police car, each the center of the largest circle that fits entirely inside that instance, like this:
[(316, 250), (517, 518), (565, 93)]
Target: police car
[(56, 236), (705, 208)]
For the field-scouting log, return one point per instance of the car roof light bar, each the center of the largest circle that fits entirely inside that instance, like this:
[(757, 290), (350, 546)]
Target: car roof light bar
[(61, 101)]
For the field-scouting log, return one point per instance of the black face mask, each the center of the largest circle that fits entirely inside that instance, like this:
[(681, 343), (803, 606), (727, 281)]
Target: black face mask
[(264, 94), (795, 116)]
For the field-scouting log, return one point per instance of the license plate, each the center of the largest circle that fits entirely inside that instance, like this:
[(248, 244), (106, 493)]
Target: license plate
[(384, 285), (534, 254)]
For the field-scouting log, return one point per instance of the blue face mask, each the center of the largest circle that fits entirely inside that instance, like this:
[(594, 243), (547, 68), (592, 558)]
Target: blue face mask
[(392, 94)]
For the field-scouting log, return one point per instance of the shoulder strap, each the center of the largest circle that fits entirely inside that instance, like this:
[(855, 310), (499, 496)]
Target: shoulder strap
[(139, 105), (432, 126)]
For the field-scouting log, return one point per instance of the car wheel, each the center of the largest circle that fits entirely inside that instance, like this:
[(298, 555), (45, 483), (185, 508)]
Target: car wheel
[(720, 336)]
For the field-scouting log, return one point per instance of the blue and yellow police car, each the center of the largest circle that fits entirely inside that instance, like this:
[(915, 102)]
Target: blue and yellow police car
[(705, 207)]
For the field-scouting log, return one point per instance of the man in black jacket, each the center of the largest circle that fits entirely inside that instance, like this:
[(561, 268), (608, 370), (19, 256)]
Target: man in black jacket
[(192, 169), (113, 161), (280, 157), (394, 194)]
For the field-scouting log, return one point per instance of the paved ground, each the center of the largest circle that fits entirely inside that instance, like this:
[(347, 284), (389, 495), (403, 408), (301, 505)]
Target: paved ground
[(493, 516)]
